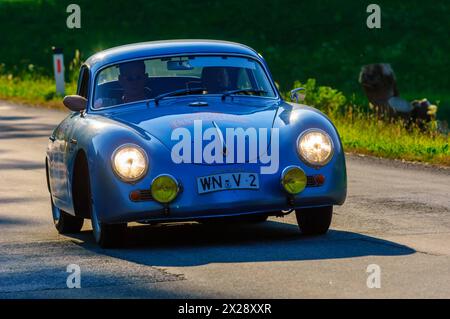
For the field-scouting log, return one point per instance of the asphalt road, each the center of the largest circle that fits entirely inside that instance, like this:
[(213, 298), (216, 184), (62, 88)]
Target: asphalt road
[(396, 216)]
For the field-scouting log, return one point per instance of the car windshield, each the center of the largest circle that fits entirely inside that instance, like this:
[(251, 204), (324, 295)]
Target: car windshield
[(142, 80)]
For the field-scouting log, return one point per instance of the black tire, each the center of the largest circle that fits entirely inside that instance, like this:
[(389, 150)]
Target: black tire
[(107, 235), (314, 221), (66, 223), (112, 235)]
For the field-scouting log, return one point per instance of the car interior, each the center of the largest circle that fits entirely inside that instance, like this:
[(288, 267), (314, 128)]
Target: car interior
[(163, 84)]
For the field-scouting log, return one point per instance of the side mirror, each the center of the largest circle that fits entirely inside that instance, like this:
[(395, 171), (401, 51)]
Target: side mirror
[(75, 103), (295, 96)]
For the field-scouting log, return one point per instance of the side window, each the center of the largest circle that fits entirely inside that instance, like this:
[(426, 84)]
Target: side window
[(83, 82)]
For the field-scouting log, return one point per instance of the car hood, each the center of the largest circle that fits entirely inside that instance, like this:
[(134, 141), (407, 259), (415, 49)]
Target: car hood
[(161, 122)]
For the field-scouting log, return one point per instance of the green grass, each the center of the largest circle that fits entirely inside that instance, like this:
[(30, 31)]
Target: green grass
[(323, 39), (40, 90), (366, 135)]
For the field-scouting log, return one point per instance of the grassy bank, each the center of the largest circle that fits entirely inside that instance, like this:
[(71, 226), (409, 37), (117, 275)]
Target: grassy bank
[(366, 135), (360, 132), (37, 91)]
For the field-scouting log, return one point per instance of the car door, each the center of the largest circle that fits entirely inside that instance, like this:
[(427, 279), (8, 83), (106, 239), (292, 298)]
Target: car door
[(62, 150), (76, 120), (57, 169)]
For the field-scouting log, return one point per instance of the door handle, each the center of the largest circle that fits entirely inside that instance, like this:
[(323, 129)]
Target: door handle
[(73, 141)]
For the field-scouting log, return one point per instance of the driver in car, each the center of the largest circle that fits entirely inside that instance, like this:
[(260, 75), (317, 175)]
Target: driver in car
[(133, 78)]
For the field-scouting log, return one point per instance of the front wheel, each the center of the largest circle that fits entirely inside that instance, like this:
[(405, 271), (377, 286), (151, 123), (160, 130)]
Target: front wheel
[(314, 221), (64, 222), (107, 235)]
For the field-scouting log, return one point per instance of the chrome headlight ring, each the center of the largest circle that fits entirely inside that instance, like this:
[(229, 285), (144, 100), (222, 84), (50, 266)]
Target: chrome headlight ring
[(315, 141), (123, 159)]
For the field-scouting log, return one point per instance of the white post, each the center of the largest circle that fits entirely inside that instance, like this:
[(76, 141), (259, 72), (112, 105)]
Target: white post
[(58, 67)]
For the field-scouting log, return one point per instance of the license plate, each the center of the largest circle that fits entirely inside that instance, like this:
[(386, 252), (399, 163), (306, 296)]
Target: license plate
[(227, 181)]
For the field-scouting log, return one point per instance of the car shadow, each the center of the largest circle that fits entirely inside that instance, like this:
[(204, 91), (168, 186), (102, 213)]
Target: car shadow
[(15, 118), (21, 164), (7, 221), (181, 245)]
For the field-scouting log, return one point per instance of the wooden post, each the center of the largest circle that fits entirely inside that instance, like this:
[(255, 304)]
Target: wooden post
[(58, 66)]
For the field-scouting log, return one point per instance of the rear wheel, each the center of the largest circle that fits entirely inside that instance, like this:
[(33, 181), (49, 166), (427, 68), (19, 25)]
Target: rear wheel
[(314, 221), (64, 222)]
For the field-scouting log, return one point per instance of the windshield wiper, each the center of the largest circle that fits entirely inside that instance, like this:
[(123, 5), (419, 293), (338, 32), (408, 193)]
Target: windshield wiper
[(177, 92), (228, 93)]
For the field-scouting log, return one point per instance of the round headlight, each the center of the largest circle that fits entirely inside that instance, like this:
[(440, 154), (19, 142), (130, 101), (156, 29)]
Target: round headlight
[(164, 188), (130, 163), (315, 147), (293, 179)]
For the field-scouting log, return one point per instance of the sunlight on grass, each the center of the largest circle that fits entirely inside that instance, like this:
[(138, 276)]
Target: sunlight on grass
[(35, 91), (367, 135)]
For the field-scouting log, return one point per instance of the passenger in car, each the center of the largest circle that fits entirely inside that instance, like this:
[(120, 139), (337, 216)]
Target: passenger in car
[(215, 79)]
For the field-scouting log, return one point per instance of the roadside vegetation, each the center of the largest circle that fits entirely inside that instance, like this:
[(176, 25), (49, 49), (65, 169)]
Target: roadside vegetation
[(361, 132), (39, 91), (326, 40)]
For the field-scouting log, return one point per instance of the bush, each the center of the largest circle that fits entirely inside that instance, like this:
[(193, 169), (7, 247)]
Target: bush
[(74, 66), (330, 101)]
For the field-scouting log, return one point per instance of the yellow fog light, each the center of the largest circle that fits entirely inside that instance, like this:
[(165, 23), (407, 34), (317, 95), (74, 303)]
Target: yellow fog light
[(293, 180), (164, 188)]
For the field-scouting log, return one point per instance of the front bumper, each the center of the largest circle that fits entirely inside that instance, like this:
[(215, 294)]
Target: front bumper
[(113, 203)]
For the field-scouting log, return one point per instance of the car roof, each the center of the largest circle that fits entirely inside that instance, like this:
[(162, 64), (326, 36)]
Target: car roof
[(168, 47)]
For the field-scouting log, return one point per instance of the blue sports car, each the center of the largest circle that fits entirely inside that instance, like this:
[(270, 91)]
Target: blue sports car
[(189, 130)]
